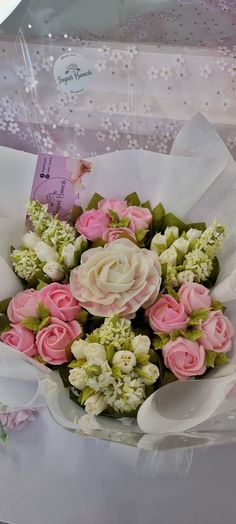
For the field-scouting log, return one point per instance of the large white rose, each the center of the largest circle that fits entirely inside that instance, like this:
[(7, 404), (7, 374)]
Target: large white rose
[(118, 278)]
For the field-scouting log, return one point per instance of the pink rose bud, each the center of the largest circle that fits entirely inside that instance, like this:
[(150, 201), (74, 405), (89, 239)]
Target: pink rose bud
[(92, 224), (140, 217), (167, 314), (194, 296), (184, 358), (113, 233), (21, 339), (52, 340), (24, 304), (119, 206), (218, 332), (17, 419), (60, 301)]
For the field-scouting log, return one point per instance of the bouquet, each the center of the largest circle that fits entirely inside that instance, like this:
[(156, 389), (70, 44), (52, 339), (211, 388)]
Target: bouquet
[(119, 299)]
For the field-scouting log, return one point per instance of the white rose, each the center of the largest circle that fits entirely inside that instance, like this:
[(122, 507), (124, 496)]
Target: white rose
[(118, 278), (169, 256), (68, 254), (149, 374), (95, 354), (182, 244), (78, 242), (185, 276), (171, 231), (193, 234), (78, 378), (78, 349), (158, 243), (141, 344), (95, 404), (125, 360), (54, 271), (30, 240), (45, 253)]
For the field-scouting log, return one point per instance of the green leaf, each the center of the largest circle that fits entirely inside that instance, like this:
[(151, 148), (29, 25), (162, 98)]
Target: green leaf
[(141, 234), (216, 305), (4, 305), (114, 216), (133, 200), (124, 222), (171, 238), (163, 336), (3, 434), (64, 374), (173, 293), (98, 243), (4, 324), (210, 282), (31, 323), (191, 334), (221, 359), (93, 203), (175, 334), (41, 285), (199, 314), (172, 220), (82, 316), (158, 215), (92, 370), (164, 270), (45, 322), (43, 311), (180, 256), (153, 358), (147, 205), (76, 213), (116, 372), (93, 338), (168, 378), (142, 359), (86, 393), (197, 225), (110, 352), (210, 357), (77, 363)]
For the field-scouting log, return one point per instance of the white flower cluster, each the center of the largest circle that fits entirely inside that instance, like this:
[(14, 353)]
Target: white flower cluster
[(50, 250), (187, 257), (109, 377)]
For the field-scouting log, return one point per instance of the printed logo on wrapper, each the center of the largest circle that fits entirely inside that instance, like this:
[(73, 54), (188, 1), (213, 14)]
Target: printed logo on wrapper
[(72, 73)]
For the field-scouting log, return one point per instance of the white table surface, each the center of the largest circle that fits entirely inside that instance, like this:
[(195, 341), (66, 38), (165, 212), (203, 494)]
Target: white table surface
[(49, 475)]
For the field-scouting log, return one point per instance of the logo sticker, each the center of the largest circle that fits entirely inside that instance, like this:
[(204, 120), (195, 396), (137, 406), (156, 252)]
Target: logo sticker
[(72, 73)]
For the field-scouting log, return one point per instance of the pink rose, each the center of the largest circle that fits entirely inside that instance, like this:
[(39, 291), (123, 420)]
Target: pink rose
[(92, 224), (60, 301), (194, 296), (167, 314), (184, 358), (24, 304), (17, 419), (119, 206), (113, 233), (218, 332), (52, 340), (21, 339), (140, 217)]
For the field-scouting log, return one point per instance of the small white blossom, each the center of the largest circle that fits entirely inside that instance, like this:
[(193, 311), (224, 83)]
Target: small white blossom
[(178, 60), (182, 244), (132, 51), (95, 404), (54, 271), (169, 256), (125, 360), (100, 66), (232, 70), (185, 276), (78, 242), (165, 72), (149, 373), (111, 109), (126, 65), (225, 104), (80, 131), (105, 50), (68, 254), (100, 136), (193, 234), (171, 232), (124, 126), (141, 344), (124, 107), (113, 135), (158, 243), (116, 56), (222, 63), (146, 108), (106, 122), (13, 128), (78, 349), (153, 73), (78, 377), (95, 354), (133, 144), (30, 239), (45, 253)]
